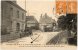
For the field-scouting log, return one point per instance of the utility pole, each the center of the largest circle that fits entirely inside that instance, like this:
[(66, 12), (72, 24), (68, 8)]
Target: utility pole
[(54, 13), (25, 16)]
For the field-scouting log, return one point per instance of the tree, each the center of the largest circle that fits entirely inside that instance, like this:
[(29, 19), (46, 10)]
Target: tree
[(69, 23)]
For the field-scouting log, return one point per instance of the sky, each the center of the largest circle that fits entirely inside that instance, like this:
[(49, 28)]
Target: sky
[(38, 7)]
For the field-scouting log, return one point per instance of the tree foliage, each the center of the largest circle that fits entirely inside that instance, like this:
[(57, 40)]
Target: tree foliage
[(68, 22)]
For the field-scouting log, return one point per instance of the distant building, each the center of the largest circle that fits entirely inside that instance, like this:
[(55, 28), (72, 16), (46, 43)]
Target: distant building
[(12, 19), (32, 22), (46, 22)]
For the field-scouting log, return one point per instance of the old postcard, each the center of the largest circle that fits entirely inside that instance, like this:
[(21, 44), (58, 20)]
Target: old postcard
[(38, 24)]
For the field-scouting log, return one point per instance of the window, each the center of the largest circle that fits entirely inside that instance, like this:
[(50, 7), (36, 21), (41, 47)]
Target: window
[(17, 27), (11, 25), (11, 15), (22, 16), (11, 12), (17, 14), (22, 26)]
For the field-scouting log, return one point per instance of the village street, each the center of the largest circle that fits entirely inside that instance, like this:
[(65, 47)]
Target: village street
[(38, 37)]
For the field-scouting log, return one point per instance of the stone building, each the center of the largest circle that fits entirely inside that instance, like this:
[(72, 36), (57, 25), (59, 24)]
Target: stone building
[(32, 22), (46, 22), (12, 20)]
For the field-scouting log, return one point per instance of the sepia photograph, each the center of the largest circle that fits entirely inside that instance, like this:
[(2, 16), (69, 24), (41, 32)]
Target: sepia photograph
[(38, 23)]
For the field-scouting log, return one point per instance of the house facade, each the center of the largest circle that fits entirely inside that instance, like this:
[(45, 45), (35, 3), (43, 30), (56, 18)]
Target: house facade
[(46, 22), (12, 20), (32, 22)]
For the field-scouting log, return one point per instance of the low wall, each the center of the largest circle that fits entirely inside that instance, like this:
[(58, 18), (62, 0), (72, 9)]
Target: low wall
[(8, 37)]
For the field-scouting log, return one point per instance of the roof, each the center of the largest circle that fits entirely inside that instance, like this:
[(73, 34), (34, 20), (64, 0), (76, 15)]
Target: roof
[(31, 19), (46, 20), (15, 5)]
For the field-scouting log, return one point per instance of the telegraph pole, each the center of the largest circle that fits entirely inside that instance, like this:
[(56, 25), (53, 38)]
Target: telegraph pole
[(25, 16)]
